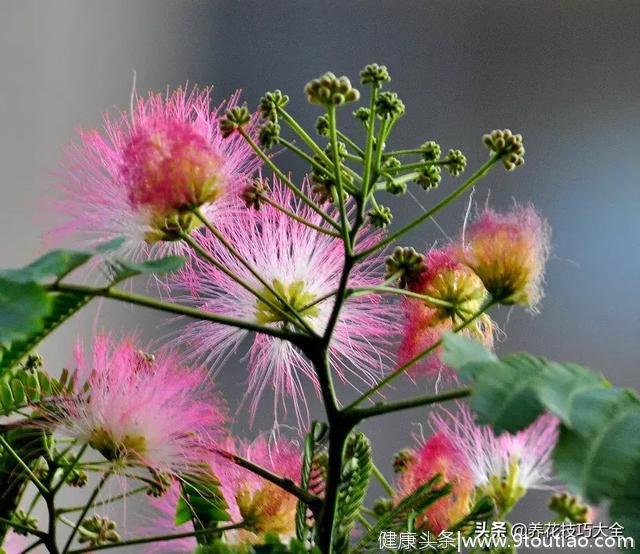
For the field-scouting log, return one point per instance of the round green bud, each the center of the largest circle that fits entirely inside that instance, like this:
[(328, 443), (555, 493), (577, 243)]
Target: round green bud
[(393, 187), (98, 530), (374, 74), (380, 216), (431, 151), (382, 506), (322, 125), (330, 90), (389, 105), (362, 114), (234, 119), (430, 177), (254, 193), (342, 150), (402, 459), (509, 146), (269, 134), (405, 263), (456, 162), (271, 102)]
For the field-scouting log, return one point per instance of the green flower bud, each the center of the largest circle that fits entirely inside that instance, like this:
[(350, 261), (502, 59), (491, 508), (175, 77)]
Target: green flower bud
[(269, 134), (271, 102), (77, 478), (234, 119), (389, 106), (382, 506), (430, 177), (456, 162), (375, 74), (406, 263), (380, 216), (21, 517), (97, 531), (390, 163), (362, 114), (569, 507), (403, 459), (342, 150), (322, 125), (393, 187), (509, 146), (253, 194), (330, 90), (431, 151)]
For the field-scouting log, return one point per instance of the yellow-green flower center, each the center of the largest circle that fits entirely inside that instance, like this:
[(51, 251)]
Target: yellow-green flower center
[(129, 447), (274, 310), (505, 490)]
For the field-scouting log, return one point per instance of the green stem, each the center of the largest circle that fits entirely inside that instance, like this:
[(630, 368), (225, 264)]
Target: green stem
[(481, 172), (94, 495), (351, 144), (408, 152), (152, 303), (297, 318), (21, 463), (368, 156), (345, 227), (382, 480), (311, 500), (364, 522), (299, 219), (416, 359), (306, 138), (161, 538), (20, 527), (103, 502), (284, 179), (69, 469), (403, 292), (382, 409)]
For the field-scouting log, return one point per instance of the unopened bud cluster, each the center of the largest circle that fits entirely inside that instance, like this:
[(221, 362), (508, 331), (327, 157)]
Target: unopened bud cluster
[(374, 74), (456, 162), (380, 216), (389, 105), (271, 102), (269, 134), (253, 194), (98, 530), (509, 146), (405, 263), (330, 90), (234, 119)]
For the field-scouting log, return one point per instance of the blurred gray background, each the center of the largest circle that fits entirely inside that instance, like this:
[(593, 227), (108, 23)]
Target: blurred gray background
[(565, 74)]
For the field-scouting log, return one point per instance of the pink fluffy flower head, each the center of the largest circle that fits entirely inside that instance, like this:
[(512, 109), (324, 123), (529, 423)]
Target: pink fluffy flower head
[(509, 251), (503, 466), (263, 506), (14, 543), (144, 174), (444, 279), (439, 455), (140, 410), (303, 266)]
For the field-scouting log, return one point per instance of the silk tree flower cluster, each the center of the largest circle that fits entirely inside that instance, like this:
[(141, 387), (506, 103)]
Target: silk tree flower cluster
[(298, 287)]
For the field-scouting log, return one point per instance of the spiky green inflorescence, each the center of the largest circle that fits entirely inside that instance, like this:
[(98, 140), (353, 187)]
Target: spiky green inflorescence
[(362, 114), (380, 216), (431, 151), (254, 192), (330, 90), (271, 102), (269, 134), (405, 263), (234, 119), (374, 74), (456, 162), (509, 146), (429, 177), (389, 105), (98, 530)]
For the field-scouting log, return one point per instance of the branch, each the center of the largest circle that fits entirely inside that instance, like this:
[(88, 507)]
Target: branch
[(149, 302), (311, 500), (481, 172)]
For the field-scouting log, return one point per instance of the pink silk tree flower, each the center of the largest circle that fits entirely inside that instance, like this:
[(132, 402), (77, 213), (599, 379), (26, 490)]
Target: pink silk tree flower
[(509, 252), (503, 466), (141, 177), (14, 543), (438, 455), (140, 410), (262, 505), (303, 266), (444, 279)]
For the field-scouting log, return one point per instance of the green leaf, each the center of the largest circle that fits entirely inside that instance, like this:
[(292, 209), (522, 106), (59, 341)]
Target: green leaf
[(202, 503), (312, 479), (397, 519), (598, 450), (354, 482), (465, 354), (122, 269), (22, 309), (56, 264), (25, 387), (63, 306)]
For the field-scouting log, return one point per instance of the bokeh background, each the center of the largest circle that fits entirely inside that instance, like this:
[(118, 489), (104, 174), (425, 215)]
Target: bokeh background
[(565, 74)]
